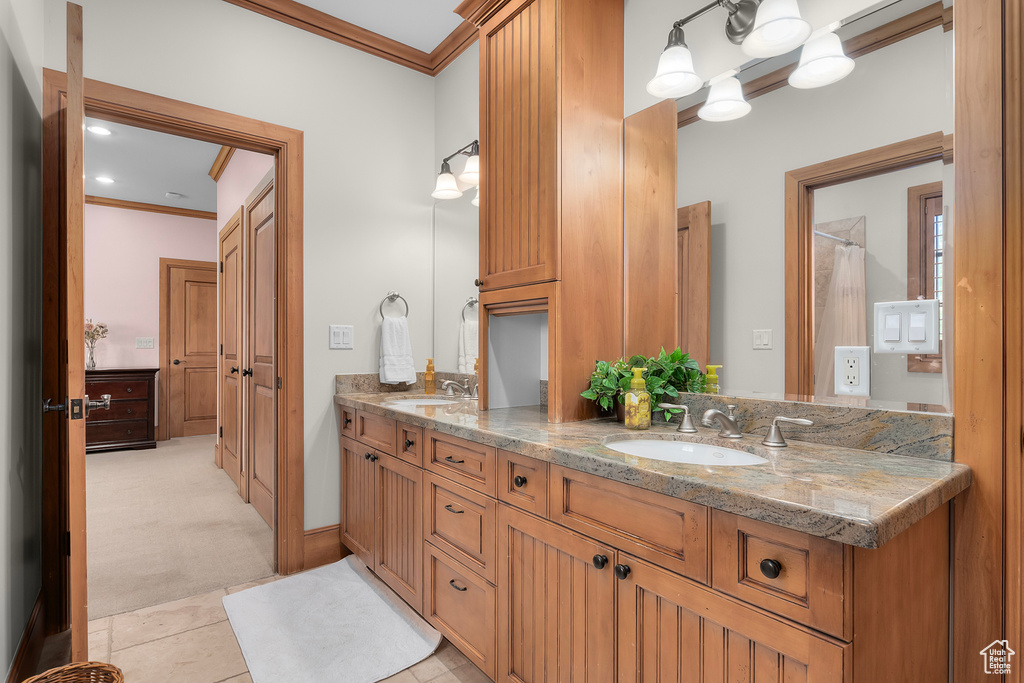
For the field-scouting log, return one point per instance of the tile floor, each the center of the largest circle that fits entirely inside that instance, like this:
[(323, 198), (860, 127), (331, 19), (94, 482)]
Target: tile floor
[(191, 640)]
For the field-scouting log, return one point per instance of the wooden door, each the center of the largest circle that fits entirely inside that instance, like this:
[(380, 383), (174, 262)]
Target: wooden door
[(231, 361), (665, 634), (188, 299), (519, 146), (694, 243), (63, 423), (358, 505), (398, 556), (556, 609), (260, 385)]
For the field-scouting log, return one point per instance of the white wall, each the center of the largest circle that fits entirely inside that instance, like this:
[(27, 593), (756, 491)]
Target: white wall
[(456, 221), (882, 200), (21, 55), (894, 94), (369, 151), (244, 171)]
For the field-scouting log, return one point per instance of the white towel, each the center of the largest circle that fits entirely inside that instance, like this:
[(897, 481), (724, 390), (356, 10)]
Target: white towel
[(469, 343), (396, 365)]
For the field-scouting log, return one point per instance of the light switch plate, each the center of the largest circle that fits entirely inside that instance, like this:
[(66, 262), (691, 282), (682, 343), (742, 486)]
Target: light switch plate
[(342, 337), (853, 371), (143, 342), (762, 340), (920, 317)]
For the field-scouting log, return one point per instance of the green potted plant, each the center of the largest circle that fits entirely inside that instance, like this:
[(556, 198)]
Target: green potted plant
[(667, 374)]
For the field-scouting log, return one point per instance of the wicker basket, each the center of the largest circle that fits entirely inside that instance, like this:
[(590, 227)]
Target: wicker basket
[(82, 672)]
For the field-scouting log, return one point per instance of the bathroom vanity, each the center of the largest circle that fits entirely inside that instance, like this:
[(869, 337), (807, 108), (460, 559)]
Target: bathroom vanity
[(542, 554)]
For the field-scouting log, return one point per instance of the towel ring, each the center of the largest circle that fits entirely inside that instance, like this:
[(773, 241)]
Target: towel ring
[(471, 301), (393, 296)]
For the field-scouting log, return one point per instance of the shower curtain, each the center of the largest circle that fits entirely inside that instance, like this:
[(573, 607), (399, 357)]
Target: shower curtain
[(844, 320)]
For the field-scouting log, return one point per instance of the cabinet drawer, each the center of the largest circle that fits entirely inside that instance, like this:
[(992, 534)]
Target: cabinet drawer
[(463, 523), (348, 421), (462, 606), (813, 573), (120, 431), (523, 482), (410, 444), (376, 431), (117, 389), (121, 410), (667, 531), (465, 462)]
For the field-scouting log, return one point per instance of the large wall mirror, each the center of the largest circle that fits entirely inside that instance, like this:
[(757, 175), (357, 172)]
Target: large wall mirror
[(879, 233)]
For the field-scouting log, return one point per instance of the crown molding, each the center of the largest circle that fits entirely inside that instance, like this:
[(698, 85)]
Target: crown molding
[(151, 208), (221, 162)]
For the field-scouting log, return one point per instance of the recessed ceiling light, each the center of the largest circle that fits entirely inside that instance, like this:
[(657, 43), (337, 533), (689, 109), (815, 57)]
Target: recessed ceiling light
[(174, 195), (98, 130), (104, 179)]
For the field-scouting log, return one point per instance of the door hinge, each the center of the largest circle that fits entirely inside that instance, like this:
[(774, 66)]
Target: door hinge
[(222, 349), (222, 266), (222, 432), (278, 382), (66, 549), (75, 411)]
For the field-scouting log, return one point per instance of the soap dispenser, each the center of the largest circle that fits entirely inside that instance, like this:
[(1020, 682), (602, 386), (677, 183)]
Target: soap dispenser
[(638, 402), (430, 378), (711, 383)]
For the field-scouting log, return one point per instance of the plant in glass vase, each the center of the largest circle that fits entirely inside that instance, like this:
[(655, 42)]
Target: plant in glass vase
[(93, 333)]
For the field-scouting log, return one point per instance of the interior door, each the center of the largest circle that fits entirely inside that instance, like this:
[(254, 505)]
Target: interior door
[(191, 298), (231, 306), (694, 242), (260, 381)]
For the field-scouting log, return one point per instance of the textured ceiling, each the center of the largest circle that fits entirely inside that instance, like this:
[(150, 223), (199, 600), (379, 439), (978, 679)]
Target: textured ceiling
[(421, 24), (146, 165)]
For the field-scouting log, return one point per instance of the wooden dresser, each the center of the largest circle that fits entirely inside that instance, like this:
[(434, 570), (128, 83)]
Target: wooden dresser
[(131, 421)]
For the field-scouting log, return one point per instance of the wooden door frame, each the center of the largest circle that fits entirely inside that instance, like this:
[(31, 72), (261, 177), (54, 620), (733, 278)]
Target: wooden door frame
[(136, 108), (696, 220), (163, 393), (799, 230)]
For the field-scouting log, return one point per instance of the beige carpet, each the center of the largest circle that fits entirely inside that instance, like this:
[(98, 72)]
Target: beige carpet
[(166, 524)]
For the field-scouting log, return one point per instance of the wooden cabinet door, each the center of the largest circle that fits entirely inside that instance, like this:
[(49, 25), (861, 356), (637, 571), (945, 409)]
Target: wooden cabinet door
[(556, 609), (666, 633), (398, 552), (358, 507), (518, 147)]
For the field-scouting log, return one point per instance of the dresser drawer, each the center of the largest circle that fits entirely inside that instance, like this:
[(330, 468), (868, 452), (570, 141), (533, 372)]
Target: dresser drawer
[(462, 522), (664, 530), (793, 574), (465, 462), (120, 431), (347, 419), (376, 431), (462, 606), (523, 482), (121, 410), (117, 389), (410, 444)]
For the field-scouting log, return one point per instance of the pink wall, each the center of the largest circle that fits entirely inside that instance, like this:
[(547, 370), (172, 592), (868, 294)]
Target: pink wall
[(122, 280), (238, 180)]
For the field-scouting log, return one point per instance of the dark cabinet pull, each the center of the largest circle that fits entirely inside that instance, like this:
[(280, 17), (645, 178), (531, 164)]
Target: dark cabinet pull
[(374, 458), (348, 421), (449, 458), (449, 508), (409, 443), (771, 568), (130, 411), (452, 584), (234, 371), (520, 482), (128, 389), (129, 432), (600, 561), (478, 282), (622, 571), (368, 456)]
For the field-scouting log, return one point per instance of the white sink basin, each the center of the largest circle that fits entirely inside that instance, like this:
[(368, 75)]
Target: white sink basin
[(418, 402), (686, 452)]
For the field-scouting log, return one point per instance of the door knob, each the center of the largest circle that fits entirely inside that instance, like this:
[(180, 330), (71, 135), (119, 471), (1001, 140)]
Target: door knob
[(478, 282), (176, 361), (771, 568), (600, 561), (103, 403), (234, 371), (622, 571), (520, 482), (47, 408)]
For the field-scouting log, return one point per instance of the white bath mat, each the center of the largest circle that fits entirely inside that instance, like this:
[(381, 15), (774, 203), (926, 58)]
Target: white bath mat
[(337, 623)]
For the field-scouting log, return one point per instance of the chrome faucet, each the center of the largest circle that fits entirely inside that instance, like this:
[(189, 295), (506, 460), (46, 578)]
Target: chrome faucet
[(774, 437), (449, 385), (685, 424), (729, 429)]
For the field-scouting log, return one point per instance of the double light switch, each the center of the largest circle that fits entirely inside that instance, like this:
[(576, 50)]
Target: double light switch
[(907, 326)]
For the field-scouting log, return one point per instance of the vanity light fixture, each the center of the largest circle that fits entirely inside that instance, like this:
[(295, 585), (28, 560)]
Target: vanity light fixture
[(447, 187), (476, 198), (778, 29), (725, 100), (822, 60), (675, 76)]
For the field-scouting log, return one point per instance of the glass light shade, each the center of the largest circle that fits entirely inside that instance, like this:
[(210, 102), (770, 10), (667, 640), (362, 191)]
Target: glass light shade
[(778, 28), (725, 101), (476, 198), (675, 76), (471, 174), (446, 187), (822, 62)]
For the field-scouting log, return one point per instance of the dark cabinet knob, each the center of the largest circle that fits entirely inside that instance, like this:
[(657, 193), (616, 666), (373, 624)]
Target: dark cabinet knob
[(478, 282), (409, 443), (520, 482), (234, 371), (130, 411), (348, 421), (374, 458), (129, 432), (176, 361), (622, 571), (771, 568), (368, 456), (600, 561), (128, 389)]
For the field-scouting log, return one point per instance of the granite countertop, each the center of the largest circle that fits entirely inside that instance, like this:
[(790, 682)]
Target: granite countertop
[(857, 497)]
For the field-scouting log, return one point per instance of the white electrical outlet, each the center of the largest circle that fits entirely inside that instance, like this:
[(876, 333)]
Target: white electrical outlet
[(342, 337), (853, 371), (143, 342)]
